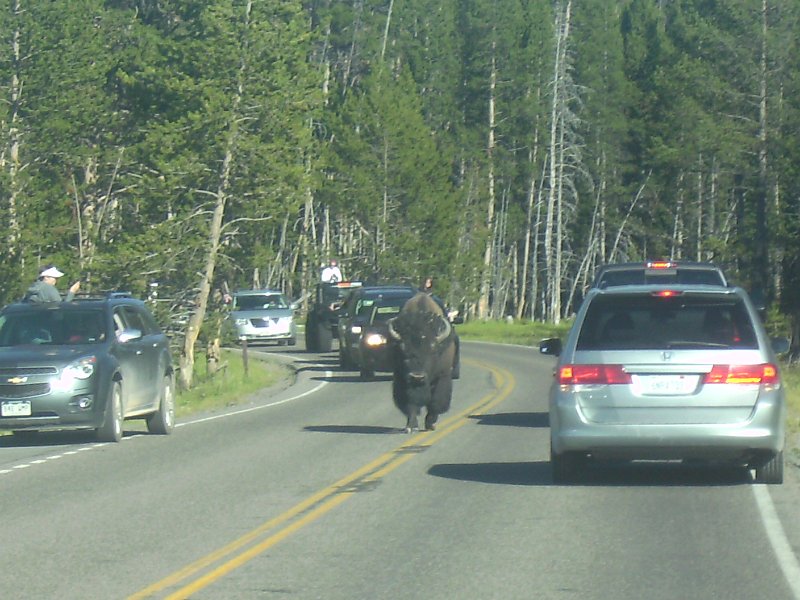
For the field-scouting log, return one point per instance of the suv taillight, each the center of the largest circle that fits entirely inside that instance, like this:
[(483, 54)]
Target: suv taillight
[(592, 374), (764, 373), (661, 264)]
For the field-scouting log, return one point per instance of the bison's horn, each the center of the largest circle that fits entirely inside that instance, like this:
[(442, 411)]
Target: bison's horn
[(446, 333), (392, 332)]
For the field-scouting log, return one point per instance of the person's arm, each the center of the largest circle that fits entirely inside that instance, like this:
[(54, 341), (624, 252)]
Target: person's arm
[(73, 289)]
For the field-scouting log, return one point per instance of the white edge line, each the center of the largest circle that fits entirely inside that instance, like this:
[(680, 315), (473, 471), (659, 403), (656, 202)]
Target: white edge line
[(777, 538), (260, 406)]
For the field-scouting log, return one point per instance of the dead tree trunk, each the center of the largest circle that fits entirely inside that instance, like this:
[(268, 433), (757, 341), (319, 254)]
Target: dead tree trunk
[(215, 231)]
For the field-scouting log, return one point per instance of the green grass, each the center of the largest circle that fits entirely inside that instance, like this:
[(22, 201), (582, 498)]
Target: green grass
[(229, 386), (791, 379), (525, 333)]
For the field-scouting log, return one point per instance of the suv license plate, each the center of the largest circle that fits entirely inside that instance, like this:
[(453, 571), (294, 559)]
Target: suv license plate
[(664, 385), (21, 408)]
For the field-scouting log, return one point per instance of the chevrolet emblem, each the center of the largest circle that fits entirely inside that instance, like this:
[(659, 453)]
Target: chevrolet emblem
[(17, 380)]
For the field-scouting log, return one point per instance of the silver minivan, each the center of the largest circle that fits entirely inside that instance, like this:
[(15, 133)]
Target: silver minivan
[(263, 316), (679, 372)]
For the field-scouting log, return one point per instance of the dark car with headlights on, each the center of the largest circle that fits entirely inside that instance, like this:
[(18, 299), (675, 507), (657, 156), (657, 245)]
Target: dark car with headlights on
[(86, 364), (373, 353), (356, 312), (667, 373)]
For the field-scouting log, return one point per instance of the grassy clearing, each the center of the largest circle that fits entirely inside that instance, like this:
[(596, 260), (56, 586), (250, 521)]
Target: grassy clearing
[(229, 386)]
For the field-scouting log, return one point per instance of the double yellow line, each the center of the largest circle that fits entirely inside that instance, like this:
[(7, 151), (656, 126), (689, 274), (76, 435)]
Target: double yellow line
[(216, 565)]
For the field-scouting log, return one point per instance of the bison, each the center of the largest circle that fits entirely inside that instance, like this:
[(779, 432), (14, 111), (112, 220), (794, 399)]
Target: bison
[(423, 353)]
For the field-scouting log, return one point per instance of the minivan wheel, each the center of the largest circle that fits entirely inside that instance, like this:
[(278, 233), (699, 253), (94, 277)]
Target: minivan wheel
[(566, 467), (771, 471), (163, 420), (111, 429)]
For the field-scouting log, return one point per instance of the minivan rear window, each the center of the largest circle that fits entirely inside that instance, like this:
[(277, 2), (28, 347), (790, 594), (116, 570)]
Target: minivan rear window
[(652, 322)]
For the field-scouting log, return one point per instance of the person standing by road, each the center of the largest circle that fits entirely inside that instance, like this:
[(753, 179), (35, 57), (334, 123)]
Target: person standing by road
[(44, 288)]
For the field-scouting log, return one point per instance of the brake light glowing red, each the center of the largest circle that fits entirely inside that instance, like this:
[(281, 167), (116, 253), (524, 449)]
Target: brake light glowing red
[(666, 293), (592, 374), (661, 264), (765, 373)]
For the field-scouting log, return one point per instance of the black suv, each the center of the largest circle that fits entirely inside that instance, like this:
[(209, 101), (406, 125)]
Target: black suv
[(85, 364), (659, 272), (322, 321)]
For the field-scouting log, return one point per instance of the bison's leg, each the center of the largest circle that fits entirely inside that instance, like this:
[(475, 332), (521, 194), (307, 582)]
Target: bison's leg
[(441, 392), (430, 419), (412, 423)]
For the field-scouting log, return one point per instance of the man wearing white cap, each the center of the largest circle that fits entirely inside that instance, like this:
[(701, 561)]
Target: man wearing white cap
[(44, 288)]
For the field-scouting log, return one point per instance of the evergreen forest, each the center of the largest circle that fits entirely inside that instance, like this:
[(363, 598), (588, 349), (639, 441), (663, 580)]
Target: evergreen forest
[(180, 149)]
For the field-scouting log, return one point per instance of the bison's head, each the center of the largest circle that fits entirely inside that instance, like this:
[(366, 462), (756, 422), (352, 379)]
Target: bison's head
[(421, 337)]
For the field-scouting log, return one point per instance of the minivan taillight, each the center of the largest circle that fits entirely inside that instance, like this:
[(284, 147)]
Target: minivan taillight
[(763, 373), (592, 374)]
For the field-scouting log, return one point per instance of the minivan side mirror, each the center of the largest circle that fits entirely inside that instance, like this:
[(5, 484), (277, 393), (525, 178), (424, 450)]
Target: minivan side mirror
[(550, 346), (780, 345)]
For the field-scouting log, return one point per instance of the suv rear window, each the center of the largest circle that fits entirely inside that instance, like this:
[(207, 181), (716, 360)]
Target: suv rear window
[(653, 322), (659, 273)]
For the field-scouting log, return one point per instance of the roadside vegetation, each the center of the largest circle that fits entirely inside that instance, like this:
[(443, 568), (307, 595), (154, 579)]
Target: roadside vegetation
[(230, 385)]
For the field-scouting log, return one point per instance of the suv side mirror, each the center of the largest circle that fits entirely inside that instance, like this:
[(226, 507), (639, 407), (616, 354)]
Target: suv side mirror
[(550, 346), (128, 335)]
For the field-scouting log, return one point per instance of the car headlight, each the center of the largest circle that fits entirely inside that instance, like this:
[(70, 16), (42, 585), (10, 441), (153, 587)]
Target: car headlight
[(240, 322), (356, 329), (81, 369), (374, 339)]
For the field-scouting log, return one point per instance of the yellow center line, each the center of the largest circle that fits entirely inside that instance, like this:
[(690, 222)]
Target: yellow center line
[(247, 547)]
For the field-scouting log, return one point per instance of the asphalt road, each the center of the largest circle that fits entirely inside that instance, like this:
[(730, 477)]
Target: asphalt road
[(312, 491)]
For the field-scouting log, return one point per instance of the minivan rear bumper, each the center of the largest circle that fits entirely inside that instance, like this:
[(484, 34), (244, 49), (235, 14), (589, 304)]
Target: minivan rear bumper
[(763, 432)]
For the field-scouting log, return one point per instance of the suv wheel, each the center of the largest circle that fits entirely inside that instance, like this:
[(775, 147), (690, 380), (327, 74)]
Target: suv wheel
[(312, 343), (111, 429), (324, 338), (163, 420), (771, 471)]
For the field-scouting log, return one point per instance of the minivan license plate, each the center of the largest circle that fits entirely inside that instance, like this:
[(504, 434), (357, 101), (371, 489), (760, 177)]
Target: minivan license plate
[(664, 385), (20, 408)]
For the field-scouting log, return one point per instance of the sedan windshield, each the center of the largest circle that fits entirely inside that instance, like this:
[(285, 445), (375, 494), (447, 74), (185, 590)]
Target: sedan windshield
[(52, 327)]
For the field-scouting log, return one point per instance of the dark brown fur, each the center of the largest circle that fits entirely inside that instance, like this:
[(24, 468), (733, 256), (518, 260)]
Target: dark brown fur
[(423, 351)]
